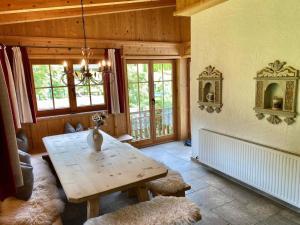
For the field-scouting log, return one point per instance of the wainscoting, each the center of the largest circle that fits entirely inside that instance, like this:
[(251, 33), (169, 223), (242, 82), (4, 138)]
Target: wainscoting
[(115, 125), (272, 171)]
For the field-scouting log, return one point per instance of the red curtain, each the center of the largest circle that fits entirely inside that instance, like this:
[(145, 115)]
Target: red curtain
[(29, 82), (120, 79)]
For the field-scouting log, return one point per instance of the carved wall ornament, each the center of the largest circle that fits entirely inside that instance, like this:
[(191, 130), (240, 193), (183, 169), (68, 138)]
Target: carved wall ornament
[(210, 90), (276, 89)]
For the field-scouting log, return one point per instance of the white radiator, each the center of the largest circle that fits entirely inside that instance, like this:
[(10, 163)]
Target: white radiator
[(274, 172)]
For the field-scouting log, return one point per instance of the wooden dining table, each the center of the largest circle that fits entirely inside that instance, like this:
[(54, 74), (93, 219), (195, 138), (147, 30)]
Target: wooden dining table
[(86, 175)]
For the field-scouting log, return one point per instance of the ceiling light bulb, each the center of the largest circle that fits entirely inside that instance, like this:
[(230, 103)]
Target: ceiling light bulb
[(103, 62), (108, 63), (65, 64), (83, 62)]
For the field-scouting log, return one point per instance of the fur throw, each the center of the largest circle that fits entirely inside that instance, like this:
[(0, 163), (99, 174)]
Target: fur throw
[(159, 211), (170, 184), (42, 208)]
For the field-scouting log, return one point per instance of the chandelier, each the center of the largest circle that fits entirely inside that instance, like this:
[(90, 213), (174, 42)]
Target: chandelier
[(85, 75)]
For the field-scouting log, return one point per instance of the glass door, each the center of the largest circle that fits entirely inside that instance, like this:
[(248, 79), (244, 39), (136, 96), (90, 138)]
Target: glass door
[(151, 101), (138, 101), (163, 97)]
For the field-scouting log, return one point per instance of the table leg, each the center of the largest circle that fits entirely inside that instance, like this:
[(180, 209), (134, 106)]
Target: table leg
[(142, 193), (93, 208)]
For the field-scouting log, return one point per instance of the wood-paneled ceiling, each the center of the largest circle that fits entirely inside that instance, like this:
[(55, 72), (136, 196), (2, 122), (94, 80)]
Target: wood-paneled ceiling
[(20, 11)]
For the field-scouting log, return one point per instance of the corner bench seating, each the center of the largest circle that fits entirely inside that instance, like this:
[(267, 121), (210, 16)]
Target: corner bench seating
[(44, 205), (160, 210)]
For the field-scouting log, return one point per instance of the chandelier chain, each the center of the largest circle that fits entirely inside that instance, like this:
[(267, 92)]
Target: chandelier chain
[(83, 24)]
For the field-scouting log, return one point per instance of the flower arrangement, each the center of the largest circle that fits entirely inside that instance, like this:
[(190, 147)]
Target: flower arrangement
[(99, 119)]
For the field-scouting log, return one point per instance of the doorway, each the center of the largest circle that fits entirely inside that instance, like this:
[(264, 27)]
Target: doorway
[(151, 101)]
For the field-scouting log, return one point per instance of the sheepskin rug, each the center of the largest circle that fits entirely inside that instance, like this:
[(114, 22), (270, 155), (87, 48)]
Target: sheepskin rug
[(170, 184), (42, 208), (160, 210)]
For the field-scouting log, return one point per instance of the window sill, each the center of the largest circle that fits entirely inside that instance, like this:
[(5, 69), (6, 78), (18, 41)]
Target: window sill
[(68, 115)]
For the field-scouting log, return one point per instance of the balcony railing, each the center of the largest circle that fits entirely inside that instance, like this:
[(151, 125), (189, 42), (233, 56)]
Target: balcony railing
[(140, 123)]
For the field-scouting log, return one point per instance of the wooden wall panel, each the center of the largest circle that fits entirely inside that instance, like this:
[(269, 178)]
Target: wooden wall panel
[(115, 125), (147, 25)]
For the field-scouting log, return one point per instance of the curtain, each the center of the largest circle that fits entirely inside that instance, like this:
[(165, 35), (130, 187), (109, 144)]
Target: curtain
[(21, 87), (107, 85), (29, 82), (11, 175), (113, 82), (120, 80)]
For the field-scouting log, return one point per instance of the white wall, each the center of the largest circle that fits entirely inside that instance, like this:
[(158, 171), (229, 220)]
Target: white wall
[(240, 37)]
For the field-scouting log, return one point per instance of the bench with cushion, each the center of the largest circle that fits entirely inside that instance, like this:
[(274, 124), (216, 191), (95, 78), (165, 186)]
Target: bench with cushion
[(43, 207), (160, 210), (171, 185)]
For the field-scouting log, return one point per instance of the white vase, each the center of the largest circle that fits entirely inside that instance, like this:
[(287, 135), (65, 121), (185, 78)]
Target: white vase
[(95, 139)]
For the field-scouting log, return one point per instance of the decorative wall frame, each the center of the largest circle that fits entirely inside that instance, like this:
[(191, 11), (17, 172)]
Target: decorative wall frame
[(210, 90), (276, 89)]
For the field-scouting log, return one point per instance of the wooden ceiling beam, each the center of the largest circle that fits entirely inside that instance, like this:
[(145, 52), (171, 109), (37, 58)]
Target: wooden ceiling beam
[(30, 16), (190, 7), (19, 6), (46, 42)]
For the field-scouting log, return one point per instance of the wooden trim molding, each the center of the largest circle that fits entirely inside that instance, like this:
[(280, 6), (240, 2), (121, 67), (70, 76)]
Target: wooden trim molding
[(44, 47), (195, 7)]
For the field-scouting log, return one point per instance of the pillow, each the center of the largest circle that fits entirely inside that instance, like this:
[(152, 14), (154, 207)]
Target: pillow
[(79, 127), (25, 191), (24, 157), (69, 128)]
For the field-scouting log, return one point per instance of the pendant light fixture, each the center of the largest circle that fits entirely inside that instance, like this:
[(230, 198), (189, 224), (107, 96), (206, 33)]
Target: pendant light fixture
[(85, 75)]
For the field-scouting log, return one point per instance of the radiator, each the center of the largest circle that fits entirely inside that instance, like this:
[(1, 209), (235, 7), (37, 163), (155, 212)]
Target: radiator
[(274, 172)]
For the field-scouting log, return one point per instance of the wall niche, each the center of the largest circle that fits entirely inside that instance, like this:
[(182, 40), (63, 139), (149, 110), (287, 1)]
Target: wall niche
[(276, 89), (210, 90)]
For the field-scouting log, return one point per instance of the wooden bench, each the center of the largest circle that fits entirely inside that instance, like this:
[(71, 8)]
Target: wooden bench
[(44, 205), (160, 210)]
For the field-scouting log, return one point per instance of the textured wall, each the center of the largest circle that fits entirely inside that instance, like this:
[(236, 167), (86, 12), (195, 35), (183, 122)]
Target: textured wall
[(240, 37)]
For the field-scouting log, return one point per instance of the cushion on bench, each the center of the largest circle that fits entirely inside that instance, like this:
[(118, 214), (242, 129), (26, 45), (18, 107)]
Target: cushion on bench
[(160, 210), (42, 208), (168, 185)]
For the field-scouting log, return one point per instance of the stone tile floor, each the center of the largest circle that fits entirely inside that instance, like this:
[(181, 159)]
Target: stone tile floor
[(222, 201)]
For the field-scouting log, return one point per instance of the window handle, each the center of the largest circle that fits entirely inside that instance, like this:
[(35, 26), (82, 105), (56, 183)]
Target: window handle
[(153, 101)]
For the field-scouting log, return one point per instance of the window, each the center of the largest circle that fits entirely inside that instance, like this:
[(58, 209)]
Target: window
[(60, 93)]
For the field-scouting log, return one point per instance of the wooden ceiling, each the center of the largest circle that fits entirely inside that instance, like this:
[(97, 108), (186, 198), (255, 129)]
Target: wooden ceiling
[(20, 11)]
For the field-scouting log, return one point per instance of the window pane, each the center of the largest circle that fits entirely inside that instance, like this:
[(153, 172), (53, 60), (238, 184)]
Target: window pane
[(158, 94), (82, 95), (167, 71), (168, 94), (61, 97), (157, 70), (144, 96), (97, 94), (58, 75), (44, 98), (133, 97), (132, 73), (143, 72), (41, 75)]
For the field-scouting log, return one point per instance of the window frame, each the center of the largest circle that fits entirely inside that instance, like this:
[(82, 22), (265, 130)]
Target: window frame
[(73, 108)]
